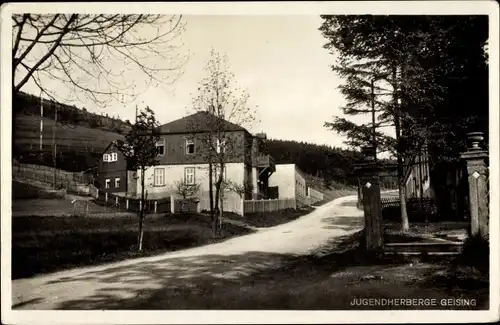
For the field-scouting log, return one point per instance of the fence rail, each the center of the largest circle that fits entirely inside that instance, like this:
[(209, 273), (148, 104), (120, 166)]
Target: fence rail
[(253, 206), (123, 204), (71, 181)]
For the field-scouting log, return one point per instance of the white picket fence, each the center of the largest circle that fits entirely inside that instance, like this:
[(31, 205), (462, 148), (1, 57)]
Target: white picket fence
[(315, 195), (252, 206)]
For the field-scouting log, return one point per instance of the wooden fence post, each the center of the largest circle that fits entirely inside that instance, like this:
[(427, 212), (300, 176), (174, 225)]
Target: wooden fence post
[(477, 171), (172, 204)]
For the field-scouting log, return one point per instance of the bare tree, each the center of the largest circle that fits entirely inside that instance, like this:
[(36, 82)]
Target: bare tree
[(241, 189), (95, 55), (187, 191), (220, 101)]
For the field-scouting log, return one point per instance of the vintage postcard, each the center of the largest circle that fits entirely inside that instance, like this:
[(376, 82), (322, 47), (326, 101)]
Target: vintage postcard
[(250, 162)]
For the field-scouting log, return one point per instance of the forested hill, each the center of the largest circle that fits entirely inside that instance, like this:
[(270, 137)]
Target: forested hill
[(329, 163)]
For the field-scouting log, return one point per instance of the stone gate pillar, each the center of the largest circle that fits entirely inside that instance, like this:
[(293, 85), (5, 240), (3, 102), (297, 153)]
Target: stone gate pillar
[(368, 174), (477, 170)]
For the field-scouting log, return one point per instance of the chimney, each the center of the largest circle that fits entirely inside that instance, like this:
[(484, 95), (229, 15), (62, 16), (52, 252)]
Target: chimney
[(261, 136)]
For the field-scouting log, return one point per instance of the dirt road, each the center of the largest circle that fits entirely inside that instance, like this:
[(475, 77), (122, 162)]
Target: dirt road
[(110, 286)]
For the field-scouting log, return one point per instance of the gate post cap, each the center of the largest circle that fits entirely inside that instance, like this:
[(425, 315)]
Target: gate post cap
[(475, 140)]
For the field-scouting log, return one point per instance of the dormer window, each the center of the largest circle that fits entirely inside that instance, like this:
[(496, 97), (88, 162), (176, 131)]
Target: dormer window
[(189, 146), (160, 147), (110, 157)]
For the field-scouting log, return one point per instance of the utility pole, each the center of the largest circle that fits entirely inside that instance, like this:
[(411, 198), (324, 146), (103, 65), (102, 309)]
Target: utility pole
[(374, 131), (54, 147), (41, 122)]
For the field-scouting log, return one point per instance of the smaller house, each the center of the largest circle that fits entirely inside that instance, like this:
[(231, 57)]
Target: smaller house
[(291, 183), (113, 174)]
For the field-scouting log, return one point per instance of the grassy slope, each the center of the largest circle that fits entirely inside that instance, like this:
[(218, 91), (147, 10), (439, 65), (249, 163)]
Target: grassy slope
[(335, 190), (68, 138)]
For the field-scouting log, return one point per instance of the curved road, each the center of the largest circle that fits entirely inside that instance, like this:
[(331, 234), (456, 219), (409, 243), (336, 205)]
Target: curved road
[(111, 285)]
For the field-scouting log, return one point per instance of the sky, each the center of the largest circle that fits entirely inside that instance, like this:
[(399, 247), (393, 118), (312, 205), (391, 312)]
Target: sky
[(279, 60)]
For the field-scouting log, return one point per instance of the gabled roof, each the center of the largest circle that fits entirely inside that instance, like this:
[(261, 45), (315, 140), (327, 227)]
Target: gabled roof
[(198, 122), (112, 143)]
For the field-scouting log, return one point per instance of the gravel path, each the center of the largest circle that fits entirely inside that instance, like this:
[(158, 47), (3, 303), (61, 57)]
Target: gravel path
[(106, 285)]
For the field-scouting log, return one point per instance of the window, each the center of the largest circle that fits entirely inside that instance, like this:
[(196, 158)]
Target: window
[(106, 184), (159, 177), (189, 146), (160, 147), (221, 146), (110, 157), (117, 182), (189, 178)]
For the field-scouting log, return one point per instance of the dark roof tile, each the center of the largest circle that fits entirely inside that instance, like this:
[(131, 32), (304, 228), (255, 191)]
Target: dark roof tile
[(198, 122)]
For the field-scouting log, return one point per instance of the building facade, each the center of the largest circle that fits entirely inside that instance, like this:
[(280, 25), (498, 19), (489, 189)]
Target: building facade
[(186, 146), (112, 173), (291, 183)]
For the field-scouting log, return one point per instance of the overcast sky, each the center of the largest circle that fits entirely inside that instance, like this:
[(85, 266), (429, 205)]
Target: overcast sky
[(279, 60)]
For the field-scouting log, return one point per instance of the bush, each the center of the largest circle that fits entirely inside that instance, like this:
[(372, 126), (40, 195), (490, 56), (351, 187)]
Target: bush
[(476, 253)]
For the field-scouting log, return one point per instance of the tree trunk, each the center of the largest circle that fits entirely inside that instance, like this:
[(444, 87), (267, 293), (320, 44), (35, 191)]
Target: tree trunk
[(211, 192), (405, 225), (141, 214), (360, 195), (215, 222), (221, 210)]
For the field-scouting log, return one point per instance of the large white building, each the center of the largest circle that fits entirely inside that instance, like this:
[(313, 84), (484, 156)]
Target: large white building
[(290, 181), (183, 158)]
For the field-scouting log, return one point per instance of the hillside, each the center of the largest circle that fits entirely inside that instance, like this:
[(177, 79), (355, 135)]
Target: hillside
[(81, 136), (66, 114), (68, 137), (328, 163)]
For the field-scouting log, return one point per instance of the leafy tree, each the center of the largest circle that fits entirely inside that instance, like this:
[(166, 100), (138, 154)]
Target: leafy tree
[(220, 101), (139, 148)]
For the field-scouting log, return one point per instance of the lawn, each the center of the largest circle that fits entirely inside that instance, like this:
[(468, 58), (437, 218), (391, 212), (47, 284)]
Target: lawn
[(48, 244), (269, 219)]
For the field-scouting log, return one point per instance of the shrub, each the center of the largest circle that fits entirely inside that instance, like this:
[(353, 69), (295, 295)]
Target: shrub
[(476, 253)]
